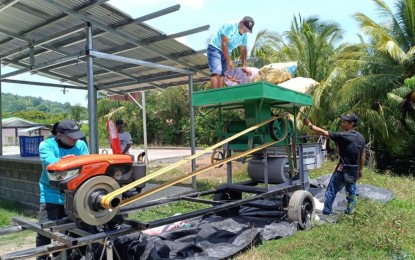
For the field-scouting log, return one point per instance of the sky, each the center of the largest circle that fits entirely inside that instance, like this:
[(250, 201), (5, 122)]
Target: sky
[(271, 15)]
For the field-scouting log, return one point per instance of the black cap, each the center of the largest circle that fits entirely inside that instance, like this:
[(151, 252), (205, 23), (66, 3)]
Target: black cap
[(119, 122), (55, 125), (70, 128), (248, 23), (351, 117)]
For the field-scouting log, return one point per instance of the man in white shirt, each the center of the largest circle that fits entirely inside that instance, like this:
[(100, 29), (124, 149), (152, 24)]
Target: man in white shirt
[(125, 137)]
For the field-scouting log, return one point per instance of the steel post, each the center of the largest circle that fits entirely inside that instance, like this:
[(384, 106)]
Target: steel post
[(192, 129), (143, 107), (92, 96)]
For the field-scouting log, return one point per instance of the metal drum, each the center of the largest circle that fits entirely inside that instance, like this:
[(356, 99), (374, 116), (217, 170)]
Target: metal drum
[(278, 170)]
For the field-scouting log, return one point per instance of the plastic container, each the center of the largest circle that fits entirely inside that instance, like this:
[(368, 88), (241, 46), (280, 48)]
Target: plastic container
[(29, 145)]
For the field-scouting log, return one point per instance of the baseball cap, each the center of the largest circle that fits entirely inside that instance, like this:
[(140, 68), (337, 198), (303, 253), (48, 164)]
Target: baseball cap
[(351, 117), (119, 122), (248, 23), (70, 128)]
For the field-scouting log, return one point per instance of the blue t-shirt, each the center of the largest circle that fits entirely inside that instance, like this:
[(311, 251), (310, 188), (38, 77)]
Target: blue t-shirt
[(49, 153), (230, 30)]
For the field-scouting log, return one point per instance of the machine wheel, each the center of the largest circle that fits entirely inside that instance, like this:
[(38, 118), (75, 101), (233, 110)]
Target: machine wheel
[(86, 206), (217, 156), (278, 129), (228, 196), (301, 208)]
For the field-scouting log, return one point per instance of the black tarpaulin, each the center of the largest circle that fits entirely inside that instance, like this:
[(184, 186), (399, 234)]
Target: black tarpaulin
[(215, 237)]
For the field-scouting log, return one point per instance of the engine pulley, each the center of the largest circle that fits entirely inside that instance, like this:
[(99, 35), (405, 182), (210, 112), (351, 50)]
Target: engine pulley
[(87, 206)]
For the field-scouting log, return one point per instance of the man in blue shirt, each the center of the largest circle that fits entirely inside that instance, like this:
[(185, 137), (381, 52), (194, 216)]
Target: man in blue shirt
[(65, 144), (229, 36)]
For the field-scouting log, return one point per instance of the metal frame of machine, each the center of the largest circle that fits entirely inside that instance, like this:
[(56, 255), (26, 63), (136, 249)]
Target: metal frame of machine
[(263, 135)]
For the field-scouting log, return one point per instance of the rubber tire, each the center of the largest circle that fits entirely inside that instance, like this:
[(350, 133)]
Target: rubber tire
[(138, 189), (225, 196), (301, 209), (220, 156)]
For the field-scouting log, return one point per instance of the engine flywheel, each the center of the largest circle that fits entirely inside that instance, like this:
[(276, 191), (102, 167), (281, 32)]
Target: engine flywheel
[(86, 200)]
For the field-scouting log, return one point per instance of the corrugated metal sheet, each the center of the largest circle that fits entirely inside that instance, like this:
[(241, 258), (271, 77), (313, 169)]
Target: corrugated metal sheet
[(36, 20)]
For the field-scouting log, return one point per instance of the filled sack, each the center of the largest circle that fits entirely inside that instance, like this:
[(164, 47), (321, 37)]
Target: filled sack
[(300, 84), (276, 72), (237, 76)]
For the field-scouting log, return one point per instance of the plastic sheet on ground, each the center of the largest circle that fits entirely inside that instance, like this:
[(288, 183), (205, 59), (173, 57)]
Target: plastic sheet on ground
[(215, 237)]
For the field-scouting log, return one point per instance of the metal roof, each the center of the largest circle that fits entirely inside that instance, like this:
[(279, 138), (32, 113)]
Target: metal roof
[(48, 37), (27, 130), (13, 122)]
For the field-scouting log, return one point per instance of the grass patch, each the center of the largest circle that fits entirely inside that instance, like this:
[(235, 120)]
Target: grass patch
[(375, 231), (168, 210), (9, 209), (20, 240)]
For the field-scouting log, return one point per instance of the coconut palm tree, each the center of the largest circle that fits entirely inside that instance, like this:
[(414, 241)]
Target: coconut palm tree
[(376, 71), (311, 43)]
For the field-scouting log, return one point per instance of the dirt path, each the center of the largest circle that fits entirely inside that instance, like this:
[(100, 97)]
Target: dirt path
[(16, 242)]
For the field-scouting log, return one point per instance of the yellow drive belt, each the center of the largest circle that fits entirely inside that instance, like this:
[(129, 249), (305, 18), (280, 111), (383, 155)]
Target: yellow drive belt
[(189, 175), (105, 201)]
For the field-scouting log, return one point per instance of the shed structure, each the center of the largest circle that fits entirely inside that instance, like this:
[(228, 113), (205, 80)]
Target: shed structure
[(13, 127), (92, 45)]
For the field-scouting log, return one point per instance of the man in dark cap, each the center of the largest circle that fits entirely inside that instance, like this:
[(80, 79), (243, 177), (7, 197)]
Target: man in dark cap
[(66, 143), (229, 36), (351, 148), (125, 138)]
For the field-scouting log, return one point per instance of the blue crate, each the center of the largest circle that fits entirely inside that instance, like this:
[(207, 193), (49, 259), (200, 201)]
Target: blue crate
[(29, 145)]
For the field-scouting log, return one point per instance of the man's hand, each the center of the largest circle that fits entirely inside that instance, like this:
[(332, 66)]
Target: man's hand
[(233, 79), (247, 71), (359, 175), (306, 122)]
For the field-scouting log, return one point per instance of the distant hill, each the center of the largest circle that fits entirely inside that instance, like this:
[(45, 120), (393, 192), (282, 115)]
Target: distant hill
[(12, 103)]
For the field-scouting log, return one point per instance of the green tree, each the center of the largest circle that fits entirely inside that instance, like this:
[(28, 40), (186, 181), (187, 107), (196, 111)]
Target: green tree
[(376, 71), (310, 42), (78, 113)]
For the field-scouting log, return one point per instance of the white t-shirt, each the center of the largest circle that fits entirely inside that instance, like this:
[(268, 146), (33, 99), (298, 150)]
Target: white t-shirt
[(125, 138)]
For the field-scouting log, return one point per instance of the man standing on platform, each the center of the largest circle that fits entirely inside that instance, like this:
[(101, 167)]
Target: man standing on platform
[(229, 36)]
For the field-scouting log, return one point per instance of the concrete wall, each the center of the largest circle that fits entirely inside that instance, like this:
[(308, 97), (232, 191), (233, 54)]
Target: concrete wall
[(19, 180)]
